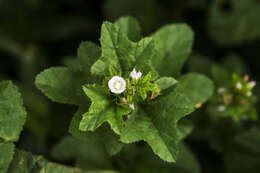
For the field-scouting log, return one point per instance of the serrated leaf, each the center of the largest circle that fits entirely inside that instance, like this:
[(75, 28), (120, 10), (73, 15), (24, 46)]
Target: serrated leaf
[(173, 44), (12, 112), (115, 47), (102, 110), (141, 126), (158, 124), (121, 53), (62, 85), (104, 135), (6, 155), (130, 27), (234, 22), (166, 82)]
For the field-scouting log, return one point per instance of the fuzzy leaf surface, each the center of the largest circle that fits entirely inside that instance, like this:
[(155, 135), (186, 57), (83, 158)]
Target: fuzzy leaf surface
[(121, 53), (130, 27), (103, 134), (61, 85), (158, 124), (12, 112), (6, 155), (173, 44), (102, 110)]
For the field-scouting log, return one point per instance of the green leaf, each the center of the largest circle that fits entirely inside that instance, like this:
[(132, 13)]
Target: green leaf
[(198, 88), (115, 47), (130, 27), (104, 135), (89, 154), (158, 124), (6, 155), (123, 54), (200, 64), (173, 44), (61, 85), (166, 82), (187, 161), (220, 76), (102, 110), (98, 67), (88, 53), (143, 54), (250, 140), (236, 24), (143, 126), (24, 162), (12, 112)]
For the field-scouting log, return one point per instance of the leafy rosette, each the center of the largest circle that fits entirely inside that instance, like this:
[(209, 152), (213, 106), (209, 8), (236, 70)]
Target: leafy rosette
[(132, 83)]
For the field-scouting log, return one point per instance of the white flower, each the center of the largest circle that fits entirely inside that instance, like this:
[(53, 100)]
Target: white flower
[(221, 108), (238, 85), (221, 90), (132, 107), (135, 75), (252, 84), (117, 84)]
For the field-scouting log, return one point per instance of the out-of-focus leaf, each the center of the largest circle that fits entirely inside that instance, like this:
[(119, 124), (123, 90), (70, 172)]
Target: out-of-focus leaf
[(61, 85), (233, 22)]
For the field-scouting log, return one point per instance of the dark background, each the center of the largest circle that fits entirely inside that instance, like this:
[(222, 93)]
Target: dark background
[(37, 34)]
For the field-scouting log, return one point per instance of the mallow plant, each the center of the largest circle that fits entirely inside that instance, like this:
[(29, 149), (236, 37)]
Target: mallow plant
[(132, 83), (128, 89)]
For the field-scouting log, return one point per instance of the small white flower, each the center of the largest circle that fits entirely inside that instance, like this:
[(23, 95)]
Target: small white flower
[(252, 84), (238, 85), (221, 108), (128, 116), (135, 75), (221, 90), (132, 107), (117, 84)]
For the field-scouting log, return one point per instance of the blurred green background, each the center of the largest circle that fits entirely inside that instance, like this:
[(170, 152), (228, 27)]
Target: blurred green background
[(37, 34)]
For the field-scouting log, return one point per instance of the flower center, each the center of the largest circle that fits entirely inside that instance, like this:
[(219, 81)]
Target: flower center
[(118, 85)]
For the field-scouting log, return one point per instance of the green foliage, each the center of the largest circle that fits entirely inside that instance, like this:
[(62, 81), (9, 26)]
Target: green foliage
[(102, 109), (235, 21), (154, 118), (12, 112), (60, 84), (130, 27), (89, 154), (157, 125), (234, 96), (173, 44), (6, 155)]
